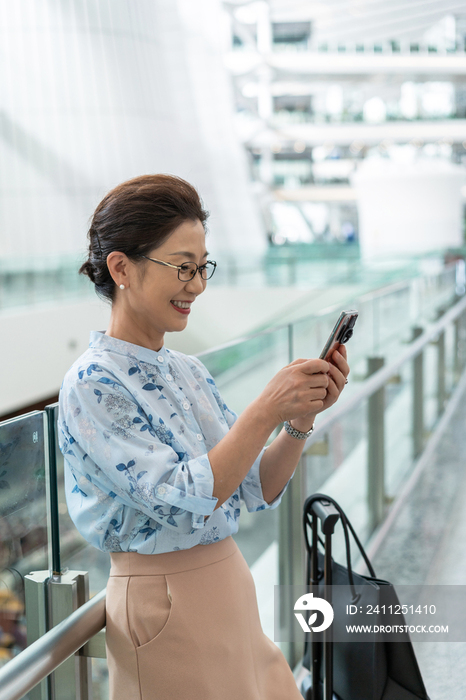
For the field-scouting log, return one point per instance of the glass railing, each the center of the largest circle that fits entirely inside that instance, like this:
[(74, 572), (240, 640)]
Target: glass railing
[(389, 47), (289, 117), (36, 533), (51, 280), (386, 318), (392, 47), (24, 524), (305, 266), (365, 452), (28, 281)]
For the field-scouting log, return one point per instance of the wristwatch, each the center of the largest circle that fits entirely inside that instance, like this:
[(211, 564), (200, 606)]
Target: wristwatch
[(296, 433)]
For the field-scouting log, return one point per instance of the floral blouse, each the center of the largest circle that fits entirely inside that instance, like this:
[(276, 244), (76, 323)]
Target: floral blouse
[(135, 427)]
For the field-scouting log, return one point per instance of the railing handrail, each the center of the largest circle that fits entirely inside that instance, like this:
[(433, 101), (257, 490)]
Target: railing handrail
[(44, 655), (380, 378)]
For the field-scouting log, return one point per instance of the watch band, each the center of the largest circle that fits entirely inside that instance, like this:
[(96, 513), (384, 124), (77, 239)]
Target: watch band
[(296, 433)]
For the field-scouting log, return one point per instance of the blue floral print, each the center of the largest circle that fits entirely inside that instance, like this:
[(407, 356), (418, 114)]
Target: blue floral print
[(135, 429)]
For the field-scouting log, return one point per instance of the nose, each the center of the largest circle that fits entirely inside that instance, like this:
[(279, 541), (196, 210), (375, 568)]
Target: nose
[(196, 285)]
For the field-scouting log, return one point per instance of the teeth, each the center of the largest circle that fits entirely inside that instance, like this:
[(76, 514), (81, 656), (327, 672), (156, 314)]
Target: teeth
[(182, 304)]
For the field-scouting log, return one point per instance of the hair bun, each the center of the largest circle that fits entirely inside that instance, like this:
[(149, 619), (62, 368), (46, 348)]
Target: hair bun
[(88, 269)]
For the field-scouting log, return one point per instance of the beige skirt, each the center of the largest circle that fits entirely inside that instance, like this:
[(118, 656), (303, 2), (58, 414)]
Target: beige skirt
[(186, 624)]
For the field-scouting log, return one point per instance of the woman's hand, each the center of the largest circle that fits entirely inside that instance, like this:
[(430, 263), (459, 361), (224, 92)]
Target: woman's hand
[(296, 390), (337, 375)]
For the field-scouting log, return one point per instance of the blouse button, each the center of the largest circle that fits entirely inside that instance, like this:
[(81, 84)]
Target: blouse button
[(169, 378), (199, 437), (161, 490), (186, 405), (160, 358)]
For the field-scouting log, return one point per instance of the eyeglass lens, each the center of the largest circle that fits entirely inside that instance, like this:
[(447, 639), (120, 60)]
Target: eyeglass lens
[(188, 270)]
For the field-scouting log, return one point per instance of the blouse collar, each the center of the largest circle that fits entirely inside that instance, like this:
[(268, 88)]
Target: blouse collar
[(107, 343)]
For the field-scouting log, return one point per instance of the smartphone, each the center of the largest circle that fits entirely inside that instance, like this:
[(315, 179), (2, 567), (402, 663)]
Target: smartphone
[(342, 332)]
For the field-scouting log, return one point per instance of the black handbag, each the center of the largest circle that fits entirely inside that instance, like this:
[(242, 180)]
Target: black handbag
[(362, 670)]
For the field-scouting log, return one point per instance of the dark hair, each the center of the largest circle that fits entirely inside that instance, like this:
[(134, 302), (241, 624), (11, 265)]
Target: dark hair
[(134, 218)]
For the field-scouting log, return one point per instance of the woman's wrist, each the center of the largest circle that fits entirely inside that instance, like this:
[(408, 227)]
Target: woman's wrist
[(302, 424)]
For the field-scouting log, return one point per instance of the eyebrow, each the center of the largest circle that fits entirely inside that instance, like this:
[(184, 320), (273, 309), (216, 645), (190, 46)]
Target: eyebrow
[(188, 254)]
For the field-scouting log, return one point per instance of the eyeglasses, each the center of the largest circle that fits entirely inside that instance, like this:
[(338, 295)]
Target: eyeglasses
[(187, 271)]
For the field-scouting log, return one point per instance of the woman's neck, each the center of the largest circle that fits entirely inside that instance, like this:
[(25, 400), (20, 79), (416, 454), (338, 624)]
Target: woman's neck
[(131, 331)]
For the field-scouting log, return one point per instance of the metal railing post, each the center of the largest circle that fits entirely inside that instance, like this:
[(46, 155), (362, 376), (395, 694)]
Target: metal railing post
[(376, 449), (418, 398), (53, 491), (72, 679), (459, 357), (441, 384), (456, 350), (290, 549), (35, 598)]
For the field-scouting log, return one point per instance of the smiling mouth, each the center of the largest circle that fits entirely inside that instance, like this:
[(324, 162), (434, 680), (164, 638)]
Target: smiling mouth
[(183, 307)]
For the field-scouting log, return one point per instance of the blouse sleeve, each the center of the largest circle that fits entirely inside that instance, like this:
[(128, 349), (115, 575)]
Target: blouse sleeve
[(250, 488), (131, 456)]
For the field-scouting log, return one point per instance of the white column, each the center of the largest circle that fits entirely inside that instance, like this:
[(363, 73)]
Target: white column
[(94, 93)]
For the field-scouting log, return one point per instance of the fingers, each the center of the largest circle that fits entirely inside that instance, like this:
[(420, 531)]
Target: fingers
[(314, 366), (316, 380), (339, 361), (337, 377)]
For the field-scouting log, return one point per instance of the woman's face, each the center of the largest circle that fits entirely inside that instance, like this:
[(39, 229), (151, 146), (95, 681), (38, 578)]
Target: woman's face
[(147, 302)]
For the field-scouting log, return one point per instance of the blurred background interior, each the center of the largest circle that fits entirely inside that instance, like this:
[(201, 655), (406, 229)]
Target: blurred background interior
[(328, 141)]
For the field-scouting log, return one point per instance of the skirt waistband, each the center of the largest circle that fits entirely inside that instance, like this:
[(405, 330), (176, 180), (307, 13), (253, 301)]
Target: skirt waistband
[(134, 564)]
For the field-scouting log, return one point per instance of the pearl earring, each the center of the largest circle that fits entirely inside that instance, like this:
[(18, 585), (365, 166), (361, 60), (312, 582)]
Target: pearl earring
[(122, 286)]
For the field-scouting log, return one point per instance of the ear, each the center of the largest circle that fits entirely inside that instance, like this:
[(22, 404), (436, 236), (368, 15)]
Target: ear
[(119, 268)]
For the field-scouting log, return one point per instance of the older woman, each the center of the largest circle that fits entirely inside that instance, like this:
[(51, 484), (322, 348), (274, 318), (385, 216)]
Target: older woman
[(157, 464)]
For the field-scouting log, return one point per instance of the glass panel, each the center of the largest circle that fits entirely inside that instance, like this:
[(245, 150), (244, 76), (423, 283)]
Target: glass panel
[(241, 371), (336, 464), (392, 322), (23, 522), (29, 281), (308, 266)]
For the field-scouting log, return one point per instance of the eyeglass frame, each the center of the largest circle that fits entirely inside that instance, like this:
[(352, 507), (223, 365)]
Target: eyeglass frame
[(178, 267)]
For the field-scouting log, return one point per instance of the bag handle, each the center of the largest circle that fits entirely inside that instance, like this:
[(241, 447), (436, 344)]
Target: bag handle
[(346, 525), (307, 512)]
